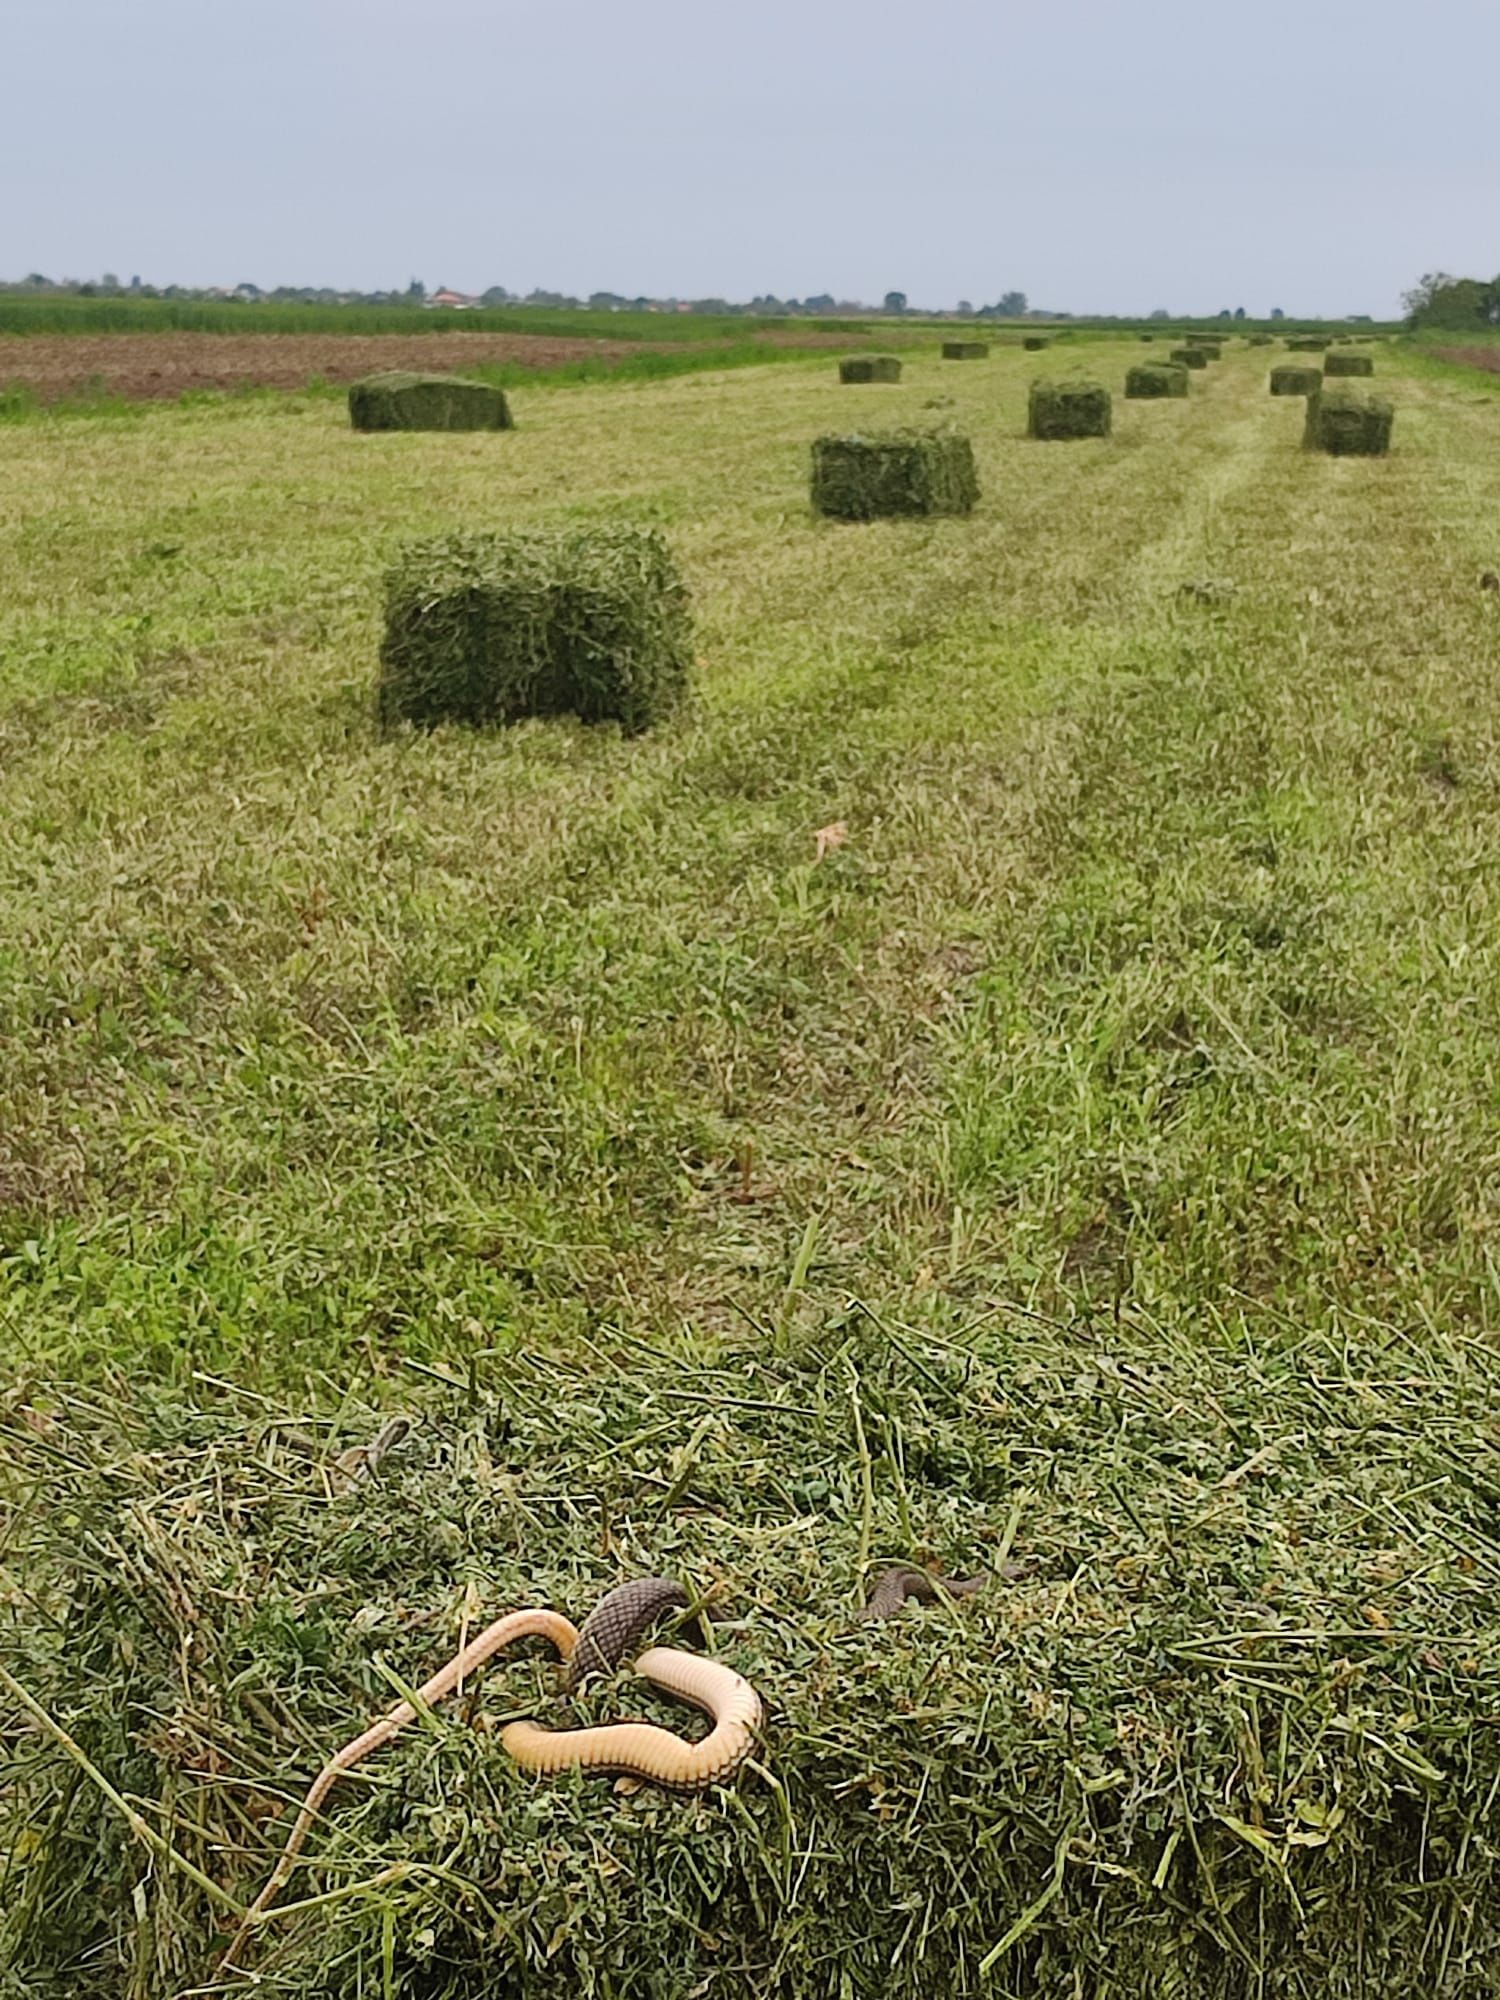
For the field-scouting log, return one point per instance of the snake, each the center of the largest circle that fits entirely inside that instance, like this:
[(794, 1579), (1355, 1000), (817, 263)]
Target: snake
[(629, 1749)]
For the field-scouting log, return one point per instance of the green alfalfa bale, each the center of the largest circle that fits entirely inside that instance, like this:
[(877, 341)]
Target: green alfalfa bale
[(876, 475), (965, 350), (1035, 342), (1261, 340), (1348, 364), (870, 368), (1349, 423), (589, 621), (1147, 338), (1069, 409), (1155, 378), (1307, 343), (1189, 357), (1296, 381), (402, 401)]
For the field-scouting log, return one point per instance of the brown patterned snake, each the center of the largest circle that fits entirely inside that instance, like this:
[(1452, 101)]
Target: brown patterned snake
[(634, 1749)]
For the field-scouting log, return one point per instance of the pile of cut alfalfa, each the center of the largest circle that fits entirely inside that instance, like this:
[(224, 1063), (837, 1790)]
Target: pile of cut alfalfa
[(1222, 1726)]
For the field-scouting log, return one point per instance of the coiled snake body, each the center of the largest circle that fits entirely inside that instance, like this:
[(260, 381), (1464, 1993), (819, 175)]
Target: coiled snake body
[(636, 1749)]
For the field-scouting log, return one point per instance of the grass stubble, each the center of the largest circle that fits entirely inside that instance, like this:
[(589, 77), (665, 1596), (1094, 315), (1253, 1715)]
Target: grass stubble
[(1089, 1162)]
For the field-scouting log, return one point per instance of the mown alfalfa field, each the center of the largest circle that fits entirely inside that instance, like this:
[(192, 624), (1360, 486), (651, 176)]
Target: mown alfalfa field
[(1007, 1078)]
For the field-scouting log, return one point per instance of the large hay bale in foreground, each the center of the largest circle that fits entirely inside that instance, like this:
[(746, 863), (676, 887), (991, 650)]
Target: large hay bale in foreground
[(1208, 1740), (1189, 357), (1307, 343), (1348, 364), (965, 350), (490, 628), (887, 474), (1071, 409), (1035, 342), (402, 401), (870, 368), (1155, 378), (1350, 423), (1296, 381)]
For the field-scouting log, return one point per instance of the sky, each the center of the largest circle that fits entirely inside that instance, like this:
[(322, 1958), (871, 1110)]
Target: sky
[(1099, 155)]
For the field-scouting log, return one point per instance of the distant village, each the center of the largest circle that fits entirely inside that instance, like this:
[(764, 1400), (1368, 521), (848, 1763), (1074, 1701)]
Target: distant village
[(1010, 305)]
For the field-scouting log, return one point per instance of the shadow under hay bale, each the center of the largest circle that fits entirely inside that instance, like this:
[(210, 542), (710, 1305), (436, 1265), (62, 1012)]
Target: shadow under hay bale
[(1349, 423), (965, 350), (889, 474), (1296, 381), (1035, 342), (1155, 379), (870, 368), (485, 629), (401, 401), (1348, 364), (1189, 357), (1069, 410)]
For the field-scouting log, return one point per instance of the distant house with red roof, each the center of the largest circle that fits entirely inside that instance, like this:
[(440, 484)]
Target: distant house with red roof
[(455, 301)]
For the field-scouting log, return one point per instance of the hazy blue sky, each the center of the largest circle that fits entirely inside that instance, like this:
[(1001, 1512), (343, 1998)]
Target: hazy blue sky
[(1097, 154)]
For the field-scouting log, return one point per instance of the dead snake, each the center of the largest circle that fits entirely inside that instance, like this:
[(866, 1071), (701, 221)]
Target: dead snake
[(635, 1749)]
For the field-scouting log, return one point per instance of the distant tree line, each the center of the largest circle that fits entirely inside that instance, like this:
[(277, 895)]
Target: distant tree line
[(1010, 305), (1457, 305)]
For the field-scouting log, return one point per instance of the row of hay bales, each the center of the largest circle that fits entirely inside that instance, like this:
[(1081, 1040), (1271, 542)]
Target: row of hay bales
[(594, 622)]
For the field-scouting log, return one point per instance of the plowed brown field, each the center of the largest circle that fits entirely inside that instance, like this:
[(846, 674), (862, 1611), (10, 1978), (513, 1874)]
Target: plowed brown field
[(147, 365)]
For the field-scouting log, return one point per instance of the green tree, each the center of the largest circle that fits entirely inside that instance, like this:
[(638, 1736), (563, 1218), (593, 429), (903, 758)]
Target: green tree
[(895, 302)]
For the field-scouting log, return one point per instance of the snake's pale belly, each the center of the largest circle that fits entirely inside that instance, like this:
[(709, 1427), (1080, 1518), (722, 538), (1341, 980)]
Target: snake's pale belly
[(640, 1749)]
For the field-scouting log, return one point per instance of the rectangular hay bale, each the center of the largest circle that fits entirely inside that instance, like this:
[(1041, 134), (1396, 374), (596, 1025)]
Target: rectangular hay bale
[(1296, 381), (401, 400), (1307, 343), (870, 368), (965, 350), (1069, 409), (1348, 364), (1349, 423), (1155, 379), (889, 474), (1189, 357), (589, 621), (1035, 342)]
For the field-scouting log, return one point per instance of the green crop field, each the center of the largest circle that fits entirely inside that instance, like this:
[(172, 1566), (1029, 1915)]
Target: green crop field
[(1008, 1077)]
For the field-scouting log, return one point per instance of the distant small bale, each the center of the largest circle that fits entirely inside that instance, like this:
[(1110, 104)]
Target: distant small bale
[(1214, 349), (487, 629), (1035, 342), (1262, 340), (1189, 357), (1155, 378), (1071, 409), (1349, 423), (965, 350), (870, 368), (401, 401), (1148, 338), (1307, 344), (1348, 364), (1296, 381), (888, 474)]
